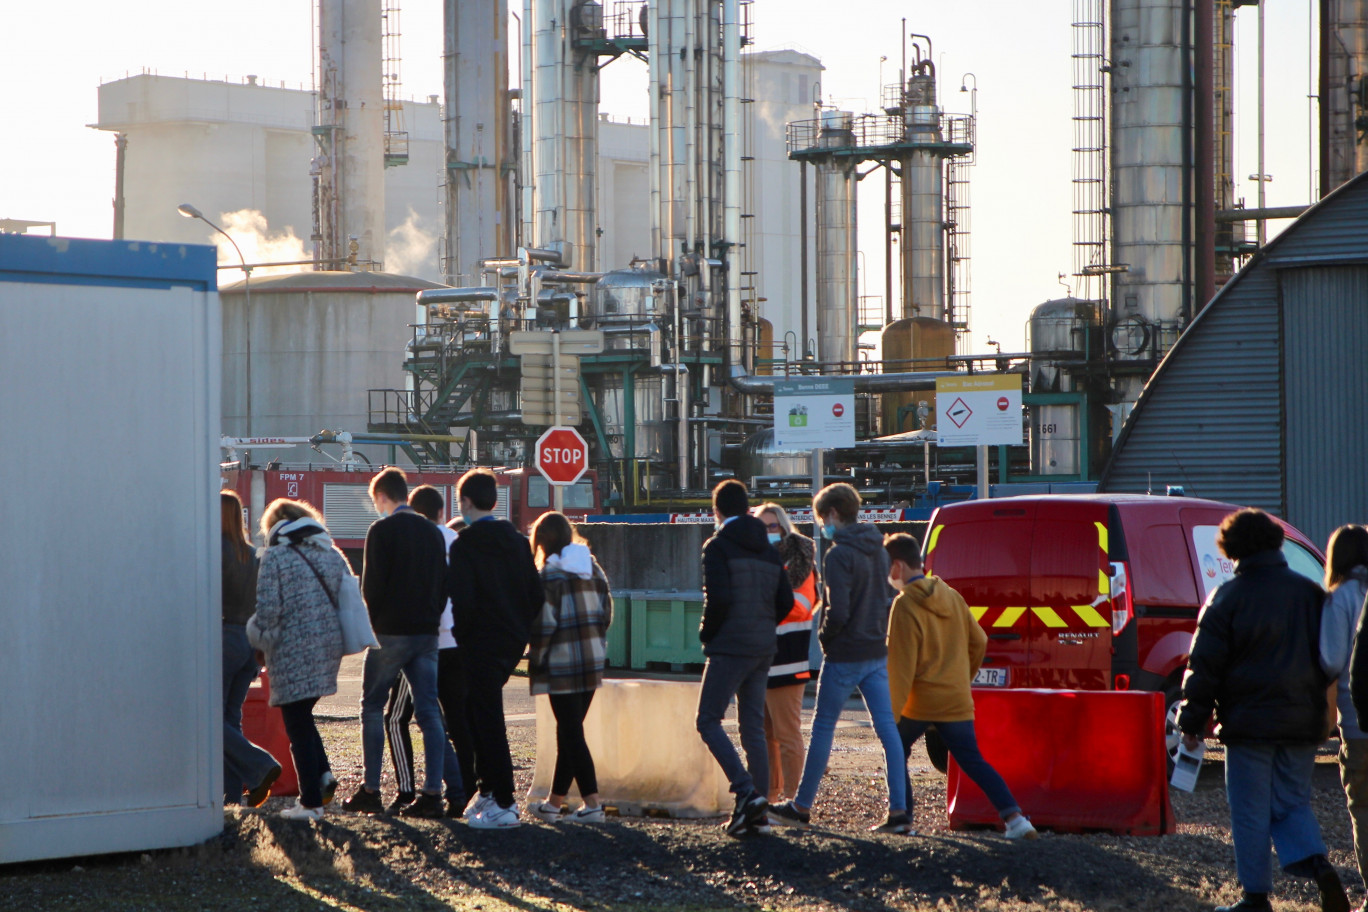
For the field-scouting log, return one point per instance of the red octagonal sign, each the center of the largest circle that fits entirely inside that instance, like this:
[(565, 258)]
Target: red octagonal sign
[(562, 455)]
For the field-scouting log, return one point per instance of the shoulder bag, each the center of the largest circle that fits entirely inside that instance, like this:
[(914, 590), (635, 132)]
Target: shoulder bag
[(357, 635)]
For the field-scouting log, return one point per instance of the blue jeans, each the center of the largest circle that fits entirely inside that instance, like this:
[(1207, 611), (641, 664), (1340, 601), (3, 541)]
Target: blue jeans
[(746, 677), (416, 658), (244, 764), (837, 682), (962, 743), (306, 747), (1269, 790)]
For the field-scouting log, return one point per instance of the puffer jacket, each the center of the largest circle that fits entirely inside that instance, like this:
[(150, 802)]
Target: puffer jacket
[(856, 596), (745, 591), (1339, 623), (569, 637), (295, 624), (1255, 659)]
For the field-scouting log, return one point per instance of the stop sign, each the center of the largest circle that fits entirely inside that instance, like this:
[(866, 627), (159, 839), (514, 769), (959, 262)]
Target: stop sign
[(562, 455)]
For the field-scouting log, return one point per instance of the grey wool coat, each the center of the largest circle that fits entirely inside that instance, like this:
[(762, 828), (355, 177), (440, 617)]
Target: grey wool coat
[(295, 624)]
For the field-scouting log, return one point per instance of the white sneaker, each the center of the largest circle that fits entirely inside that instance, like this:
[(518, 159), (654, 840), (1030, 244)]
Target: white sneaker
[(477, 805), (327, 783), (546, 811), (298, 811), (584, 814), (1020, 828), (496, 818)]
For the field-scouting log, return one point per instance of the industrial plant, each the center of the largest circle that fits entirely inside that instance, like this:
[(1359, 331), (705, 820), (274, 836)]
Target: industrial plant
[(649, 284)]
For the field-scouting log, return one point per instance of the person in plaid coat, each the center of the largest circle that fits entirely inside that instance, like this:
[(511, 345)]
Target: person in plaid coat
[(566, 657)]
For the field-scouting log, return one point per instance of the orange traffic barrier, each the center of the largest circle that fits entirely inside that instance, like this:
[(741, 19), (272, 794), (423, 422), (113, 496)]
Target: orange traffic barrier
[(264, 727), (1075, 760)]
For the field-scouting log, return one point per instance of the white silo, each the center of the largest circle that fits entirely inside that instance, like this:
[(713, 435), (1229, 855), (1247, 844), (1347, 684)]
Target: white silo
[(349, 170)]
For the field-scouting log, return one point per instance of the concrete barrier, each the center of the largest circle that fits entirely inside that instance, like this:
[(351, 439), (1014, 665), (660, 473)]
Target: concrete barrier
[(647, 752)]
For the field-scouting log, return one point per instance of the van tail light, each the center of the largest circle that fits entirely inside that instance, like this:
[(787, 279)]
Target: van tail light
[(1123, 609)]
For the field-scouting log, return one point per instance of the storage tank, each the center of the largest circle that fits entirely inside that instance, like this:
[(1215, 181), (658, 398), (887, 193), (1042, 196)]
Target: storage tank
[(760, 457), (316, 343), (837, 253), (1344, 102), (914, 344), (764, 347), (1060, 330), (653, 435)]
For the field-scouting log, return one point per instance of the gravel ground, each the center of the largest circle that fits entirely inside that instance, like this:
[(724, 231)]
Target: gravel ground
[(352, 862)]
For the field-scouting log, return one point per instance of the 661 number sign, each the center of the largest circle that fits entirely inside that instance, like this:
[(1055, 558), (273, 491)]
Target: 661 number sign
[(562, 455)]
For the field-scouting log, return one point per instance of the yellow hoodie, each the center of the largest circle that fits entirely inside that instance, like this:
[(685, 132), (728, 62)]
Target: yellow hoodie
[(934, 649)]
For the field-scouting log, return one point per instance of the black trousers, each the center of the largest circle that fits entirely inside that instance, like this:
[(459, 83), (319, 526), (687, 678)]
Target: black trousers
[(306, 747), (573, 760), (485, 676), (451, 693), (398, 715)]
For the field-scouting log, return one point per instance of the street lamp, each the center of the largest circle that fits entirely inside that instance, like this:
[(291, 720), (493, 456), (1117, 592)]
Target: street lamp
[(190, 211), (973, 95)]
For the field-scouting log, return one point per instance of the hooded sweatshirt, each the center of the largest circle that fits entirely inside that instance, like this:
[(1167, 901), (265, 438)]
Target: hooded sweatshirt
[(856, 594), (934, 649), (494, 587), (745, 591), (569, 637)]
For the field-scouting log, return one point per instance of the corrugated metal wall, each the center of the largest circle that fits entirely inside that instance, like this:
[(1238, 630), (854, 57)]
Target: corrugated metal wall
[(1325, 327), (1210, 419)]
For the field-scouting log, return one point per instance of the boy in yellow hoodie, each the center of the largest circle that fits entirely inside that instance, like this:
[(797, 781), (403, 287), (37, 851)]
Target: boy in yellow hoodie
[(934, 649)]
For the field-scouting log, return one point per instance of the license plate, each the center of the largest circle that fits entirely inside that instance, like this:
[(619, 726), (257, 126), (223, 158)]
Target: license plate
[(991, 677)]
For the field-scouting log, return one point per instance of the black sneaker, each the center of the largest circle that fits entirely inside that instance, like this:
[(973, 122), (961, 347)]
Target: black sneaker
[(1332, 896), (363, 802), (1252, 902), (787, 814), (455, 805), (426, 806), (749, 813), (257, 796), (898, 823), (401, 801)]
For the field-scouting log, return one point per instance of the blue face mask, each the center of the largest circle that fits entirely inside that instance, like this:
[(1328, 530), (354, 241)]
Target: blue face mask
[(828, 531), (774, 537)]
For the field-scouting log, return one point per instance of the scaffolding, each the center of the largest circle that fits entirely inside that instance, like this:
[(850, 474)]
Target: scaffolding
[(396, 137), (1090, 208)]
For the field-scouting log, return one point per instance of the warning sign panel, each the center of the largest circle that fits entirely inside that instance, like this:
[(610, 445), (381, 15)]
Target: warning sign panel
[(984, 410)]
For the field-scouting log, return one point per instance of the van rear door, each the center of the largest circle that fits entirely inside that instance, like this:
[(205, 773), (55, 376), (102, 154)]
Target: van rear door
[(983, 550), (1068, 624)]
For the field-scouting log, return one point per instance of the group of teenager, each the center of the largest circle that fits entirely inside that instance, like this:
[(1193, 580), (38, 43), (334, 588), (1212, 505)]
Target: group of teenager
[(455, 605)]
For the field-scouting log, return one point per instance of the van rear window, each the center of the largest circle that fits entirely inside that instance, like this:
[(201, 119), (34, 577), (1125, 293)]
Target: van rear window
[(1065, 562), (989, 563)]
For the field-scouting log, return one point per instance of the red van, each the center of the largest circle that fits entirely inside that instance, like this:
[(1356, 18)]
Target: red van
[(1089, 592)]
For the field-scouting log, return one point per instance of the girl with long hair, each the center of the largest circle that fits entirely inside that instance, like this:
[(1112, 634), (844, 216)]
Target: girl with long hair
[(566, 658)]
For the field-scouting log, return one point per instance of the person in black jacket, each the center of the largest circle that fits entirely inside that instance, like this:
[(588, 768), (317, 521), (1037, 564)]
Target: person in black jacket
[(745, 594), (1255, 664), (402, 581), (495, 591)]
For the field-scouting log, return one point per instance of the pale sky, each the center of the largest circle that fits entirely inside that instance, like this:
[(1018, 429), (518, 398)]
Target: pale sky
[(54, 56)]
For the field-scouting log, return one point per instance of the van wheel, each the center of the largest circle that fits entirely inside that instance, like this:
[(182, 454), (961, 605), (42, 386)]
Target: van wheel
[(1173, 696), (936, 750)]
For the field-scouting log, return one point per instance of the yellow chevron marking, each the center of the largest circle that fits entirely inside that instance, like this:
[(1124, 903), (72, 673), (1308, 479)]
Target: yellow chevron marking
[(1103, 583), (931, 542), (1050, 617), (1102, 537), (1009, 617), (978, 612), (1090, 616)]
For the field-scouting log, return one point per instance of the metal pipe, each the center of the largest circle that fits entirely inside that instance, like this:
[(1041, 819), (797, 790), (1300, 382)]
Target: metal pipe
[(1185, 142), (554, 276), (457, 295), (1205, 114), (803, 253), (731, 131), (653, 134), (751, 385), (1323, 97), (691, 125), (1263, 179), (529, 179), (1269, 212)]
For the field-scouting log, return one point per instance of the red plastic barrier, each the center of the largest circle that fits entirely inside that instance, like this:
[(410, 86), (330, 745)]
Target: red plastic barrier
[(1075, 760), (263, 726)]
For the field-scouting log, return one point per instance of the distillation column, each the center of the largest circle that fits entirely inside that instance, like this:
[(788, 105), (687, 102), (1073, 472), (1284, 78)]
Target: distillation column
[(837, 258), (923, 202), (349, 170), (564, 104), (477, 129), (1148, 174), (1344, 92)]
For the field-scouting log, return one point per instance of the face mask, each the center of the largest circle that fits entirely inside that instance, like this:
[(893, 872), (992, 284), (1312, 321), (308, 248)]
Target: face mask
[(828, 531), (774, 537), (381, 513), (465, 518)]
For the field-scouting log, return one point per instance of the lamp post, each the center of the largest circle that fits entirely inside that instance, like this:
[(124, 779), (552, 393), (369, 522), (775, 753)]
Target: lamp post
[(973, 102), (190, 211)]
